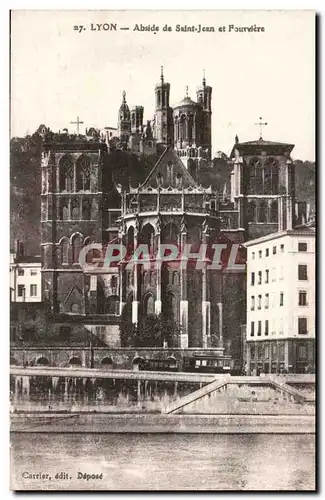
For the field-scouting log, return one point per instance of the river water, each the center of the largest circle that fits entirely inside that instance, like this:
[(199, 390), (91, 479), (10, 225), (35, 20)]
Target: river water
[(164, 461)]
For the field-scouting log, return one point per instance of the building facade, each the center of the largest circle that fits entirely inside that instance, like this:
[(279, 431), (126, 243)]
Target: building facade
[(281, 302), (82, 204), (263, 186), (25, 277)]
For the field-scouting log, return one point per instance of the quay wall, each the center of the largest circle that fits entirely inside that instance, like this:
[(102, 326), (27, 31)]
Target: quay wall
[(158, 423)]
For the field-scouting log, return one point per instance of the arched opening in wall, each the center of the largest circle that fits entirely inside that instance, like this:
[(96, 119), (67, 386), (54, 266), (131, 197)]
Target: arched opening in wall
[(113, 284), (176, 128), (107, 363), (64, 209), (175, 278), (42, 361), (275, 177), (170, 234), (182, 131), (64, 245), (262, 212), (171, 307), (255, 177), (148, 234), (13, 361), (271, 176), (158, 98), (267, 178), (94, 209), (163, 98), (74, 362), (83, 173), (130, 240), (75, 209), (57, 256), (86, 210), (190, 127), (170, 173), (274, 211), (251, 211), (145, 278), (149, 305), (112, 305), (76, 247), (66, 173), (195, 237), (192, 168), (137, 363)]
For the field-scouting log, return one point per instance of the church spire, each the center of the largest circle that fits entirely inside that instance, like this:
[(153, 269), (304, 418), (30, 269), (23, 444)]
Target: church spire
[(162, 74), (204, 80)]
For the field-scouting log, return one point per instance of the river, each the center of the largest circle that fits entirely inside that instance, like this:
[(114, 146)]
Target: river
[(164, 461)]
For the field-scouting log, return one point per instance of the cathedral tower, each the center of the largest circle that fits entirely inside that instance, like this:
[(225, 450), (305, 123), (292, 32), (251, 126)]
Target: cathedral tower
[(204, 98), (124, 120), (263, 186), (136, 119), (163, 113)]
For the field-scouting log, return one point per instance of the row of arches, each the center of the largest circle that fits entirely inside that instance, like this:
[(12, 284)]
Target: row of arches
[(170, 306), (68, 249), (184, 127), (106, 362), (170, 233), (78, 209)]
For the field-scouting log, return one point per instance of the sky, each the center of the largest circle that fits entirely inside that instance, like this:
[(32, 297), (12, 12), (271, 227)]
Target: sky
[(58, 73)]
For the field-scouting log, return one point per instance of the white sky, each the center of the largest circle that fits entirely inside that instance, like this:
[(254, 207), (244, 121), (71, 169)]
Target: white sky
[(57, 73)]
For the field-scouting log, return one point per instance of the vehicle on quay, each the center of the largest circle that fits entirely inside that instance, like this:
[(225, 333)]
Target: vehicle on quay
[(212, 364)]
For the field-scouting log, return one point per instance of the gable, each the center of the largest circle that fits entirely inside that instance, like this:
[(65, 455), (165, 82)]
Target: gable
[(169, 171)]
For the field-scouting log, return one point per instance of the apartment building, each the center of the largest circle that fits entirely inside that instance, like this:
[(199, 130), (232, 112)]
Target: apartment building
[(25, 277), (280, 331)]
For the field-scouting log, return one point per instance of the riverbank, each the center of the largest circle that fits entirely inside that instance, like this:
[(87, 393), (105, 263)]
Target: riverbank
[(159, 423)]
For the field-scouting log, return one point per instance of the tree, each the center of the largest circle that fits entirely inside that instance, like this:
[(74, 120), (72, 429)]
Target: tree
[(153, 331)]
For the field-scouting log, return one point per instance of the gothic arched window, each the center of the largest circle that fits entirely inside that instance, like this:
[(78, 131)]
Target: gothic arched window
[(262, 212), (130, 240), (86, 211), (148, 236), (175, 278), (190, 127), (76, 247), (149, 305), (94, 210), (274, 211), (170, 234), (64, 210), (66, 173), (75, 210), (83, 173), (255, 177), (65, 251), (171, 307), (271, 176), (251, 212)]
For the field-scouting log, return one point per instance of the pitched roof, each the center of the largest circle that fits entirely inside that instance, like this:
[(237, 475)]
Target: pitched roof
[(160, 170), (256, 147)]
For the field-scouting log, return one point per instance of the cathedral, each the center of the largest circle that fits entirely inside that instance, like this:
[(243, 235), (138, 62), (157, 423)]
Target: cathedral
[(83, 200)]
